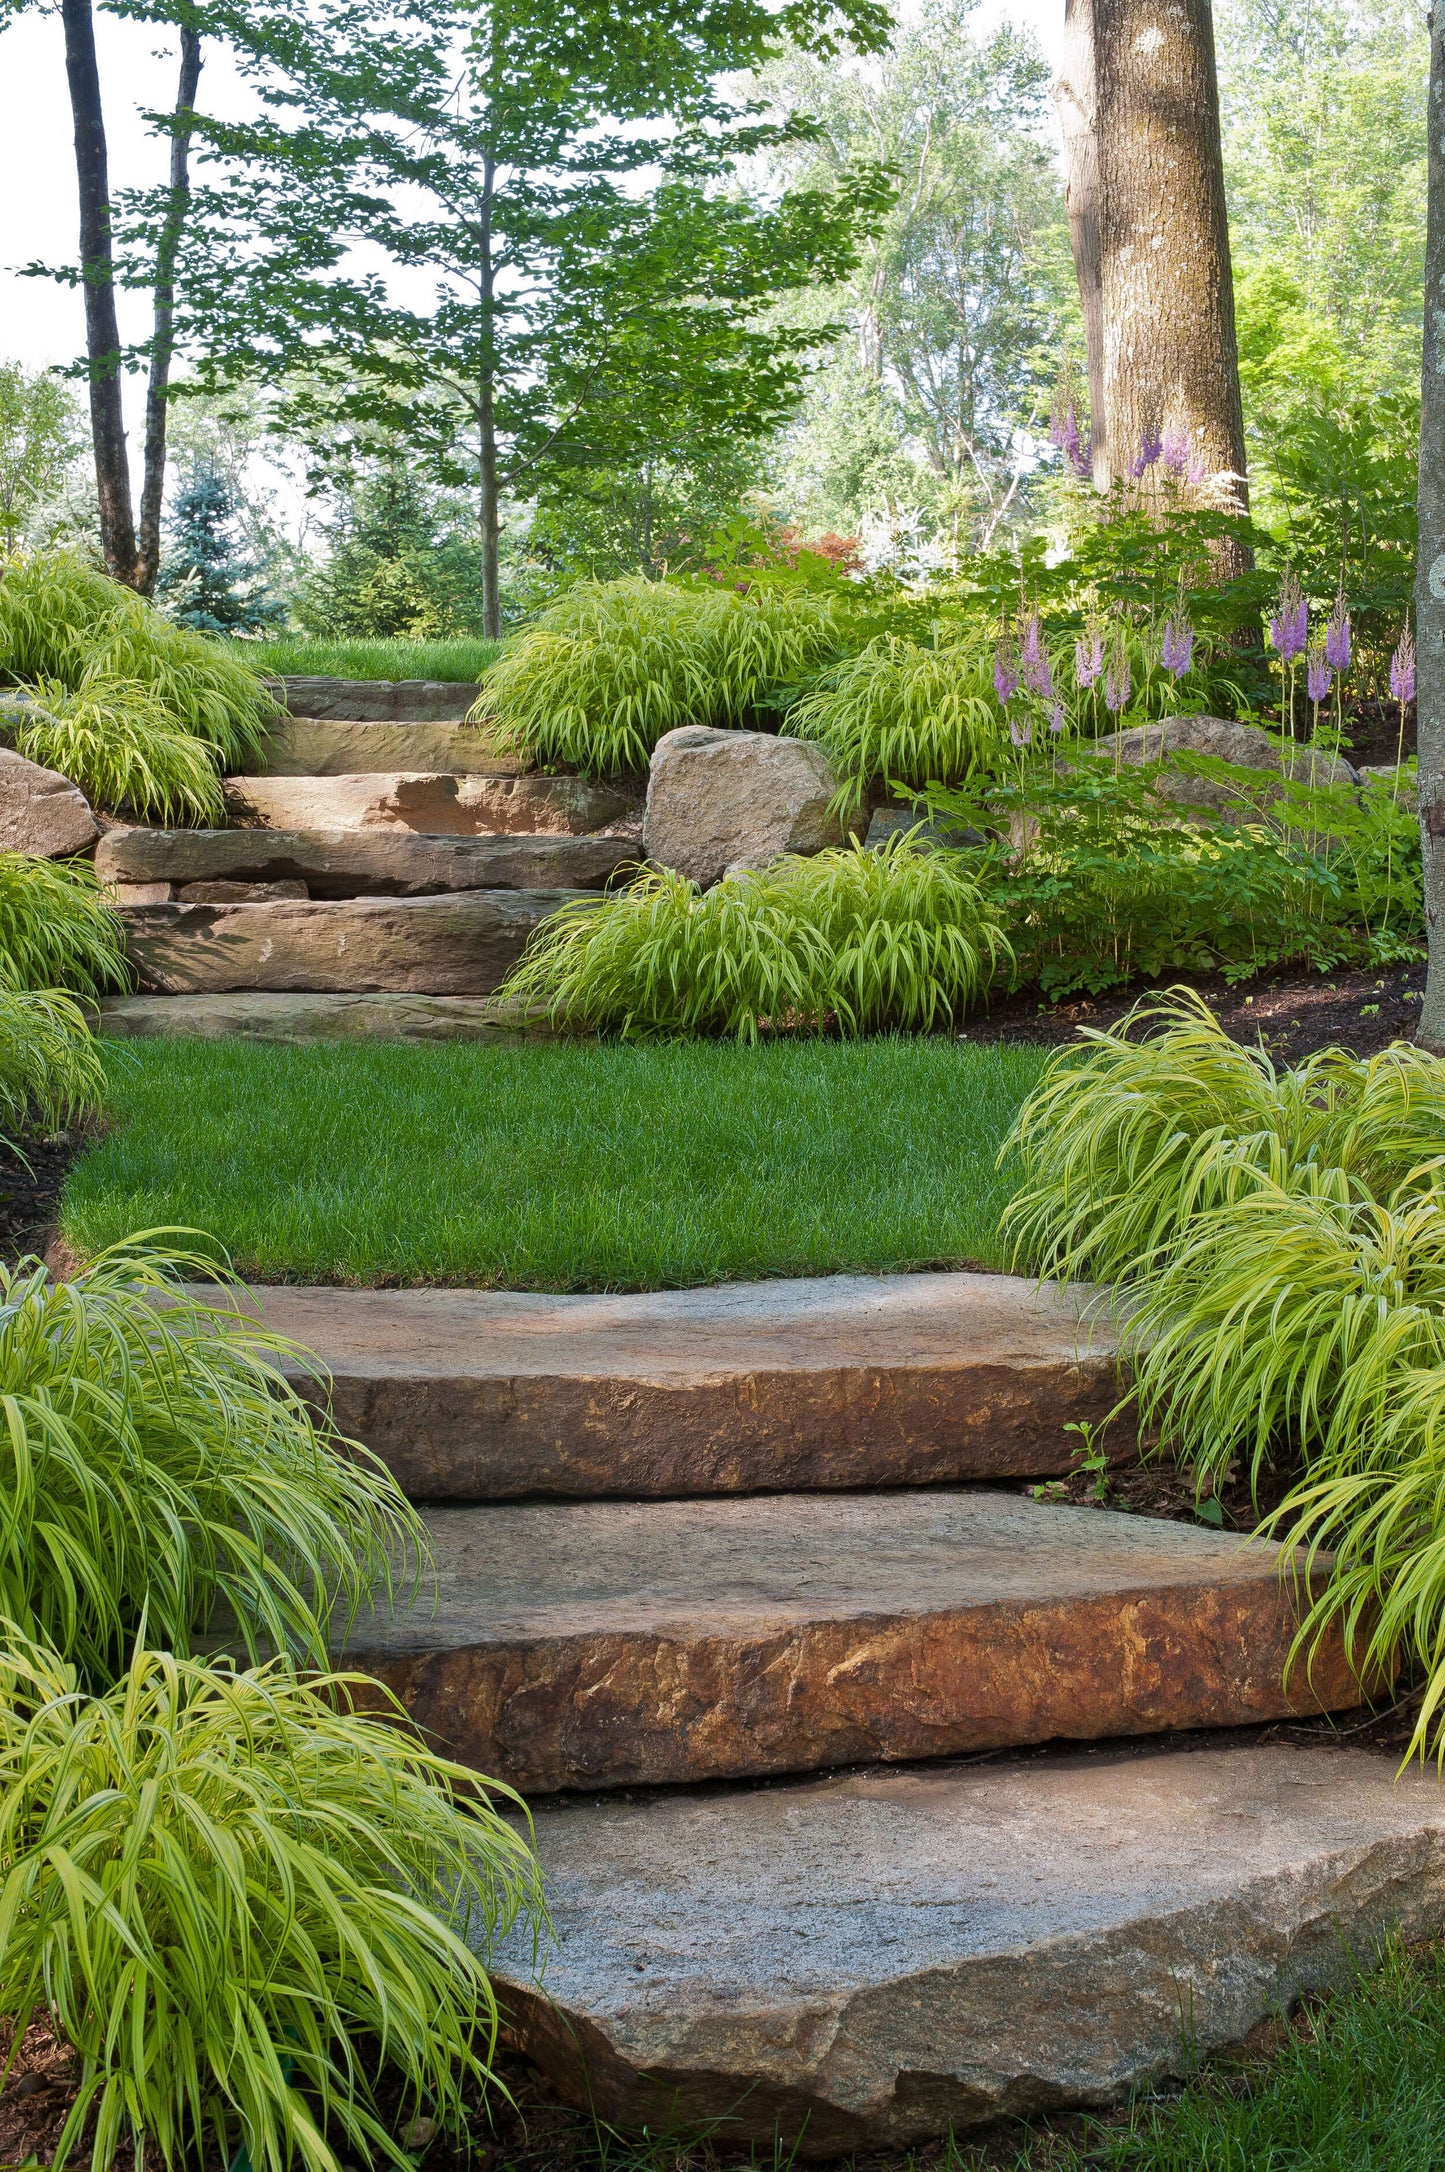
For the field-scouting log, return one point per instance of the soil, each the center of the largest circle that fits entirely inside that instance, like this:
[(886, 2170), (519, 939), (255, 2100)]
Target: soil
[(31, 1176), (1372, 737)]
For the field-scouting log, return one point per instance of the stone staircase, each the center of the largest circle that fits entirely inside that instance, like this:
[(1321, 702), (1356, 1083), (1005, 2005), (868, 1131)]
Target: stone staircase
[(874, 1796), (381, 878)]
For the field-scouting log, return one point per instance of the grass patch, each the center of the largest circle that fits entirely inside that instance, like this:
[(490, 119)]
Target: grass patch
[(567, 1166), (460, 662)]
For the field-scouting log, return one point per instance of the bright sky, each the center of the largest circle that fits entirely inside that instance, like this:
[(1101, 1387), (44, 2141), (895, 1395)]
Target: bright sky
[(41, 322)]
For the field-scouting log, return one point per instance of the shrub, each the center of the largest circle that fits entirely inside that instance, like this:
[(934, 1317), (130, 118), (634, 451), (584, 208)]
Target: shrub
[(114, 738), (906, 715), (221, 1887), (864, 940), (1280, 1238), (158, 1469), (56, 930), (49, 1069), (610, 666)]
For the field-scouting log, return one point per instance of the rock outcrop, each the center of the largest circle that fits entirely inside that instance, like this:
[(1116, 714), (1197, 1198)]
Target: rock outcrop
[(721, 799)]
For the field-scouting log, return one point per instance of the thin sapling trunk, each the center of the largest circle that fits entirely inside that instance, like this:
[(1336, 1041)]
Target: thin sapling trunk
[(1430, 577), (163, 337)]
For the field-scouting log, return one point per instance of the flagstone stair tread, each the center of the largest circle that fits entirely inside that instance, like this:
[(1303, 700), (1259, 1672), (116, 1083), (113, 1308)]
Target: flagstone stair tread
[(353, 863), (288, 1017), (871, 1959), (605, 1644), (819, 1381), (430, 802), (339, 746)]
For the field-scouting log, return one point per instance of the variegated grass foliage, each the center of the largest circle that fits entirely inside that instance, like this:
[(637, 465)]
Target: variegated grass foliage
[(146, 713), (612, 665), (56, 930), (909, 715), (241, 1901), (50, 1068), (159, 1472), (1280, 1237), (858, 940)]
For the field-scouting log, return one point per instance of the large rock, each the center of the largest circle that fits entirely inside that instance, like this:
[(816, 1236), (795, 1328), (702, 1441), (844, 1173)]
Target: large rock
[(431, 804), (380, 701), (42, 812), (1243, 745), (456, 945), (300, 1018), (360, 863), (808, 1382), (300, 746), (871, 1960), (720, 799), (649, 1643)]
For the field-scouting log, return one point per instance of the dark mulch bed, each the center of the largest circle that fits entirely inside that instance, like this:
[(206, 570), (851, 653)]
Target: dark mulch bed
[(1372, 733), (30, 1183), (1293, 1013)]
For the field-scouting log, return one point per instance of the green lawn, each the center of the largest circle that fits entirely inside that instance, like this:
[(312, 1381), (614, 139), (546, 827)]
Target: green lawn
[(557, 1165), (462, 661)]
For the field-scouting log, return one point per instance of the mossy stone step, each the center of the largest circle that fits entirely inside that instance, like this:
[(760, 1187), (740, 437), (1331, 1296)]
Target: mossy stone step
[(617, 1644), (870, 1961), (815, 1381), (362, 863)]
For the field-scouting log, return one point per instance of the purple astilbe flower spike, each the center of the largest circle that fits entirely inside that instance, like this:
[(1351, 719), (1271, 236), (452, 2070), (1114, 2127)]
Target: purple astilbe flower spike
[(1318, 675), (1056, 718), (1031, 639), (1177, 647), (1020, 734), (1402, 669), (1034, 668), (1175, 451), (1117, 685), (1337, 637), (1289, 629), (1083, 459), (1150, 447), (1088, 658), (1005, 673)]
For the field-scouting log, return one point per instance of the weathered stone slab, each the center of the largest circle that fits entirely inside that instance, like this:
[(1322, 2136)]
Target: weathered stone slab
[(353, 863), (272, 1017), (720, 799), (1245, 746), (398, 701), (640, 1643), (303, 746), (876, 1958), (431, 804), (462, 945), (826, 1381), (42, 812), (226, 892)]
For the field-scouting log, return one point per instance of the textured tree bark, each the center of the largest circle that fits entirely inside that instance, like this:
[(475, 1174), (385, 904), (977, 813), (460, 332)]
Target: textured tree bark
[(1171, 365), (1430, 578), (1075, 102), (102, 331), (148, 556)]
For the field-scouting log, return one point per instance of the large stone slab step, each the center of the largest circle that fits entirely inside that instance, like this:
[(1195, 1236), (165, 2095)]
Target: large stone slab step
[(464, 944), (617, 1644), (276, 1017), (429, 803), (823, 1381), (362, 863), (379, 701), (869, 1961), (303, 746)]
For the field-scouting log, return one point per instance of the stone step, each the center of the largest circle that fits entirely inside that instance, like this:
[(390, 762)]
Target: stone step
[(303, 746), (462, 944), (275, 1017), (820, 1381), (645, 1643), (430, 803), (871, 1960), (362, 863), (379, 701)]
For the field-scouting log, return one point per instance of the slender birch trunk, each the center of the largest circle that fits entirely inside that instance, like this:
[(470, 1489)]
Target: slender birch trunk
[(1075, 102), (1430, 578), (148, 556), (491, 512)]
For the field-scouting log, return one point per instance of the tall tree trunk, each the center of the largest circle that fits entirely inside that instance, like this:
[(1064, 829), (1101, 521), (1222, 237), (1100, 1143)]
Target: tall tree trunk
[(1074, 99), (1171, 365), (491, 512), (163, 337), (1430, 578), (102, 331)]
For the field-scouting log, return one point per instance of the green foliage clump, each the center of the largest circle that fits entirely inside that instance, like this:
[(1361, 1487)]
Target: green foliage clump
[(146, 711), (906, 714), (56, 930), (612, 665), (861, 940), (1280, 1238), (50, 1068), (241, 1899), (156, 1466), (1111, 880)]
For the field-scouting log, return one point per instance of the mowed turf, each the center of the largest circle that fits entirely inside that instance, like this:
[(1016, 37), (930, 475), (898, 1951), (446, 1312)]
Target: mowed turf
[(560, 1166), (462, 660)]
